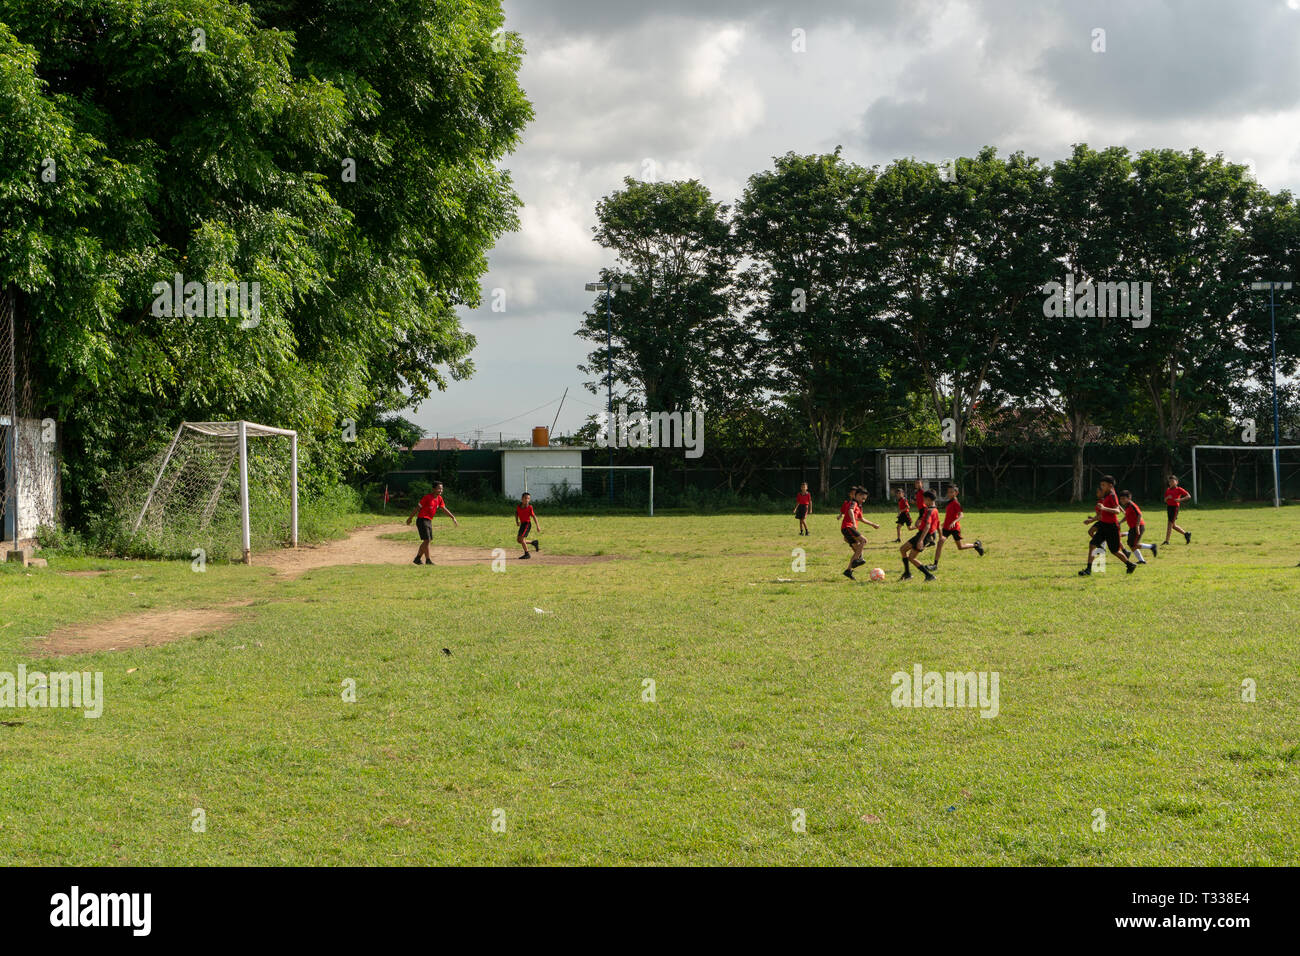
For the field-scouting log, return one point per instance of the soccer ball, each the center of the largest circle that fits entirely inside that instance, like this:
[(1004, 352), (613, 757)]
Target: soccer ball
[(877, 574)]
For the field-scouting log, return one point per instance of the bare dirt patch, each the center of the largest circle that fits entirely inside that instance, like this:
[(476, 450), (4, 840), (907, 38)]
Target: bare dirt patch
[(368, 546), (148, 629)]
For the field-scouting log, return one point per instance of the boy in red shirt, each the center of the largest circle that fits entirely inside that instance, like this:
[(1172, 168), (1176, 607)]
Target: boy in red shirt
[(850, 515), (904, 513), (918, 495), (952, 516), (1106, 530), (426, 510), (1174, 498), (526, 517), (803, 507), (1136, 526), (927, 526)]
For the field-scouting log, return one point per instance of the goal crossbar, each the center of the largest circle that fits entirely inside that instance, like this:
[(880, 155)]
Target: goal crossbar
[(241, 431), (1277, 478), (649, 468)]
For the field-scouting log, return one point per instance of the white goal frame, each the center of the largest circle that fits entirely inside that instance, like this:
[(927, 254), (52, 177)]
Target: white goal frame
[(242, 431), (580, 468), (1277, 476)]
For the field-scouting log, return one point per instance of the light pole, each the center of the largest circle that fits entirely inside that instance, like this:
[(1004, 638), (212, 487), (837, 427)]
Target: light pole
[(607, 288), (1277, 432)]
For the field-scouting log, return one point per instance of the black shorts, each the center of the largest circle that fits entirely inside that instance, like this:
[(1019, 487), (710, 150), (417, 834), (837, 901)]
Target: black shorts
[(801, 512), (920, 541), (524, 528), (1107, 534), (1135, 535), (852, 535), (425, 527), (954, 533), (904, 518), (1172, 512)]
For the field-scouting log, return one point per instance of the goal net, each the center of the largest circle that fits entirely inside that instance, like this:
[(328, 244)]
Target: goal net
[(219, 487), (1245, 472), (622, 487)]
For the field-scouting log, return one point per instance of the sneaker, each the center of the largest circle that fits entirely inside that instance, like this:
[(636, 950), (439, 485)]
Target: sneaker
[(1085, 572), (536, 546), (1155, 551), (1131, 568), (417, 560), (1188, 536), (906, 576), (857, 563), (931, 567), (428, 560), (929, 577), (979, 548), (848, 573), (525, 556)]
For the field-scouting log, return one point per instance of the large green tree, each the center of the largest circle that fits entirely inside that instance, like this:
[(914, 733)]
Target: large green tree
[(814, 296), (341, 154)]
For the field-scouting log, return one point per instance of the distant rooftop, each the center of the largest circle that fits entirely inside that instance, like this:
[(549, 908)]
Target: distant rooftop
[(439, 444)]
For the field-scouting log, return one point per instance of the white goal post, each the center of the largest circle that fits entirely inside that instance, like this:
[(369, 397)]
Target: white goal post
[(1277, 477), (240, 432), (582, 468)]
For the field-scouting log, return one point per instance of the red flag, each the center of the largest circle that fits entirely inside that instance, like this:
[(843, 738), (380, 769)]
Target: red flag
[(385, 494)]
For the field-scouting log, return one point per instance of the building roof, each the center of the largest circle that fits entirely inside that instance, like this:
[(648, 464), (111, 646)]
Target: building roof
[(439, 444)]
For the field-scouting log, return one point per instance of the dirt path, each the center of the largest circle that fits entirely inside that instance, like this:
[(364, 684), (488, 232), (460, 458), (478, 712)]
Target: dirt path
[(363, 546), (367, 546)]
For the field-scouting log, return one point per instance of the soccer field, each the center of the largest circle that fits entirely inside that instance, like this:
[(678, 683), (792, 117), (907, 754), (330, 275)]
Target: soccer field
[(1121, 734)]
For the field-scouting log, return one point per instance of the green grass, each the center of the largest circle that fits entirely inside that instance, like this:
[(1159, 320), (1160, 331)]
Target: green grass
[(1117, 693)]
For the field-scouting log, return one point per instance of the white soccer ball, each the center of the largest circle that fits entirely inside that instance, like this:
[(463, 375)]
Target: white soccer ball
[(877, 574)]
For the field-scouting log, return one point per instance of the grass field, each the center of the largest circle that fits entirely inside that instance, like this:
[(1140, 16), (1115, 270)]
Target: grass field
[(772, 694)]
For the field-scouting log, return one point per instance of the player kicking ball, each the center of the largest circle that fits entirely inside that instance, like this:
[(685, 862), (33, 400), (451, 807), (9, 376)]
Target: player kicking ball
[(1106, 527), (424, 514), (850, 515), (926, 525), (952, 515), (526, 518), (1174, 498), (904, 514), (1136, 527)]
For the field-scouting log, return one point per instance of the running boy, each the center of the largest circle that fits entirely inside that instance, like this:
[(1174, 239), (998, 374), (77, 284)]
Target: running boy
[(1136, 526), (926, 525), (918, 495), (850, 515), (425, 512), (1174, 498), (1106, 530), (526, 517), (803, 507), (904, 513), (952, 515)]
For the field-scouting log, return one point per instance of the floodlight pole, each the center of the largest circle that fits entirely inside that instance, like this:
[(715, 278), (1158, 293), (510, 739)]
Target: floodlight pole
[(243, 492)]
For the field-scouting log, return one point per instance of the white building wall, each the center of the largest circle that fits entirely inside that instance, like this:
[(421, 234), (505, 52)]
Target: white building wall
[(540, 483)]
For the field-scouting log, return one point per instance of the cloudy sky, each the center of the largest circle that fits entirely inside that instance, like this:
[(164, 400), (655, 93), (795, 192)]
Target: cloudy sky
[(713, 89)]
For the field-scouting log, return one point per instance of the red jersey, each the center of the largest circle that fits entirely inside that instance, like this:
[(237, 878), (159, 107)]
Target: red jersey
[(525, 514), (1110, 501), (934, 521), (950, 513), (1175, 495), (903, 506), (919, 498), (803, 498), (850, 512), (1132, 514), (429, 505)]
